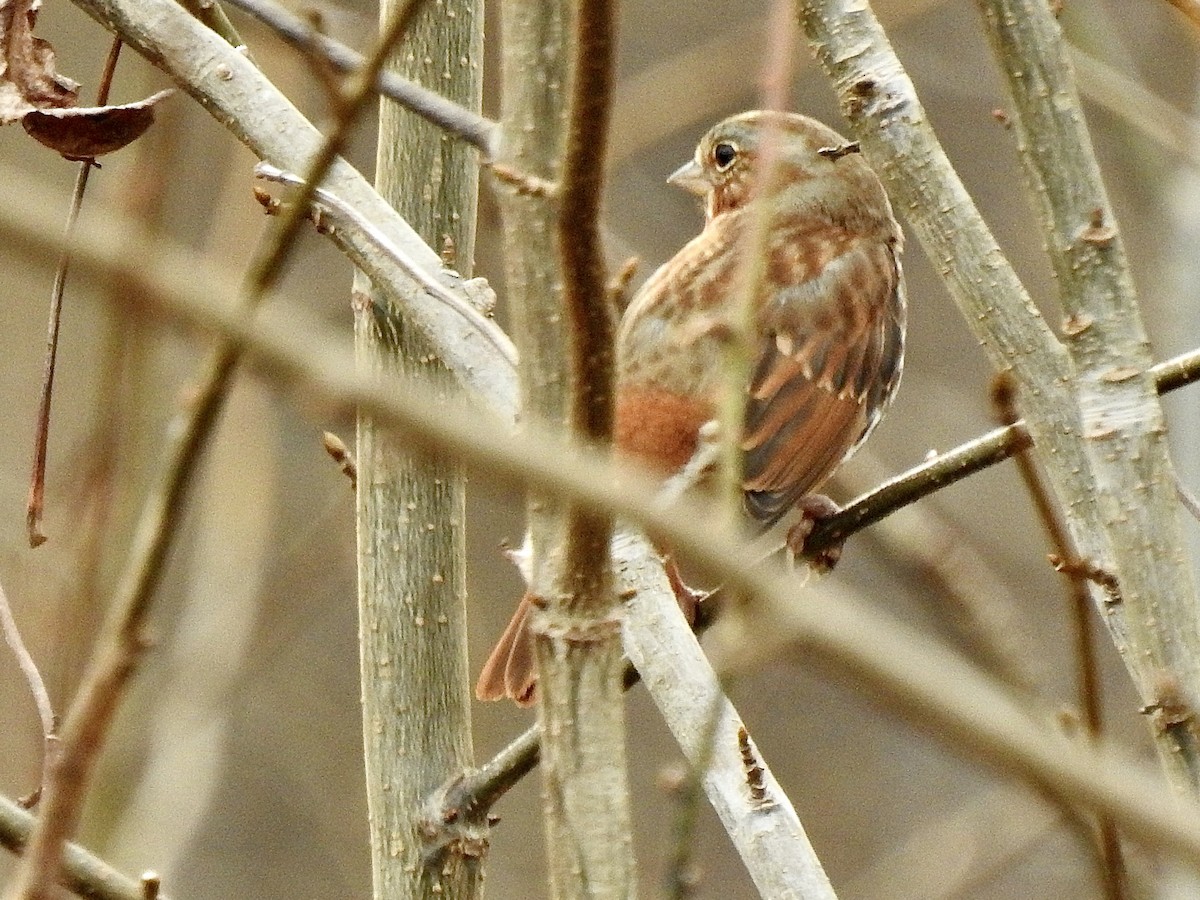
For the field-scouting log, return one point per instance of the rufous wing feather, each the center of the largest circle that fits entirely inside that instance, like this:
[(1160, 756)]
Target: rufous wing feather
[(831, 348)]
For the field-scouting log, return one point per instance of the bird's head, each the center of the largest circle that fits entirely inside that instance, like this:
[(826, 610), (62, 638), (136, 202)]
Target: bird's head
[(729, 158)]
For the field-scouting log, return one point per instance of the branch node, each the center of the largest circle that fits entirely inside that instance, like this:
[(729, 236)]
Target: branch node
[(151, 884), (1091, 571), (523, 183), (1097, 231), (754, 771), (341, 455), (1170, 708)]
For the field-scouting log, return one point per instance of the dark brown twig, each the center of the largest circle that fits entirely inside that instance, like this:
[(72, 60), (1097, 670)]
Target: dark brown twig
[(37, 483), (1111, 860), (584, 273), (955, 465)]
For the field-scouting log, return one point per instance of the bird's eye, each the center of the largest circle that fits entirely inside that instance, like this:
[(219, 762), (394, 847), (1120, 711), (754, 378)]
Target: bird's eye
[(723, 155)]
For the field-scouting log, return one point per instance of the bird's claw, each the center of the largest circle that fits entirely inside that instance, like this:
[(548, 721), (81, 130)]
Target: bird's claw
[(813, 508)]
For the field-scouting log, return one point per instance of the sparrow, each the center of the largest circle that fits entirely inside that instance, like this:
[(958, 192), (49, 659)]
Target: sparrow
[(827, 343)]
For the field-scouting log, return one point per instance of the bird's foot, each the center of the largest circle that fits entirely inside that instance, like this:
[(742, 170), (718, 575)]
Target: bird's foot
[(813, 508)]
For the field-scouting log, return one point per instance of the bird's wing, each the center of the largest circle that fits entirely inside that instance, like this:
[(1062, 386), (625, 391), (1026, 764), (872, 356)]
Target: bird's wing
[(831, 349)]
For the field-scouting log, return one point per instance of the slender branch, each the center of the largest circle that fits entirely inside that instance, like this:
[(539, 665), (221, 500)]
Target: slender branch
[(82, 872), (901, 666), (1126, 521), (1189, 500), (33, 678), (121, 644), (1088, 690), (479, 131), (585, 276), (472, 794), (954, 465), (37, 486)]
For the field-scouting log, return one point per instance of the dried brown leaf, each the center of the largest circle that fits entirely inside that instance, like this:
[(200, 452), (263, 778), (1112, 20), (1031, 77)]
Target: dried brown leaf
[(88, 132), (27, 77)]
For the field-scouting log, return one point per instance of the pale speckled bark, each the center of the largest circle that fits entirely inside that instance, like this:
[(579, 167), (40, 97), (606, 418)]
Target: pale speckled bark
[(881, 104), (585, 793), (1123, 427), (411, 515)]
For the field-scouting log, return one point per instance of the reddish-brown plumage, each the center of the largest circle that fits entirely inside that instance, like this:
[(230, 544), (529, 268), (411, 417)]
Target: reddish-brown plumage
[(830, 320)]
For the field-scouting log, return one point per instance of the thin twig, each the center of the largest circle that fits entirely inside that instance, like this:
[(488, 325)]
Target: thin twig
[(1189, 500), (83, 873), (954, 465), (33, 678), (121, 644), (473, 794), (1088, 690), (37, 485), (1088, 681), (213, 16), (480, 132)]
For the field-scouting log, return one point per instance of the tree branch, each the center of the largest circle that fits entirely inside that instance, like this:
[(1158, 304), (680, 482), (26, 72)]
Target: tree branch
[(1122, 430), (411, 512), (121, 643), (82, 872), (453, 118), (249, 105)]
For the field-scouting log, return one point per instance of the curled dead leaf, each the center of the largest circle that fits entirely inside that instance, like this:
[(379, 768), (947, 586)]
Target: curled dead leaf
[(27, 77), (87, 132)]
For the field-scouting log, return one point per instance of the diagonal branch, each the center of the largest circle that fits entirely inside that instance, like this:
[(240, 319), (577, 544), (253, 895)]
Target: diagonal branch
[(478, 131), (904, 668), (253, 109), (1122, 426), (82, 872)]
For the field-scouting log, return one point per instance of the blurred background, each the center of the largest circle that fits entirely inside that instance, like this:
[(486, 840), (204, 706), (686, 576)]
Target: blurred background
[(235, 768)]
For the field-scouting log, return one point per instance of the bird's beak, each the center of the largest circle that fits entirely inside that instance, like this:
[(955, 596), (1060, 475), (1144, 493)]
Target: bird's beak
[(691, 178)]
